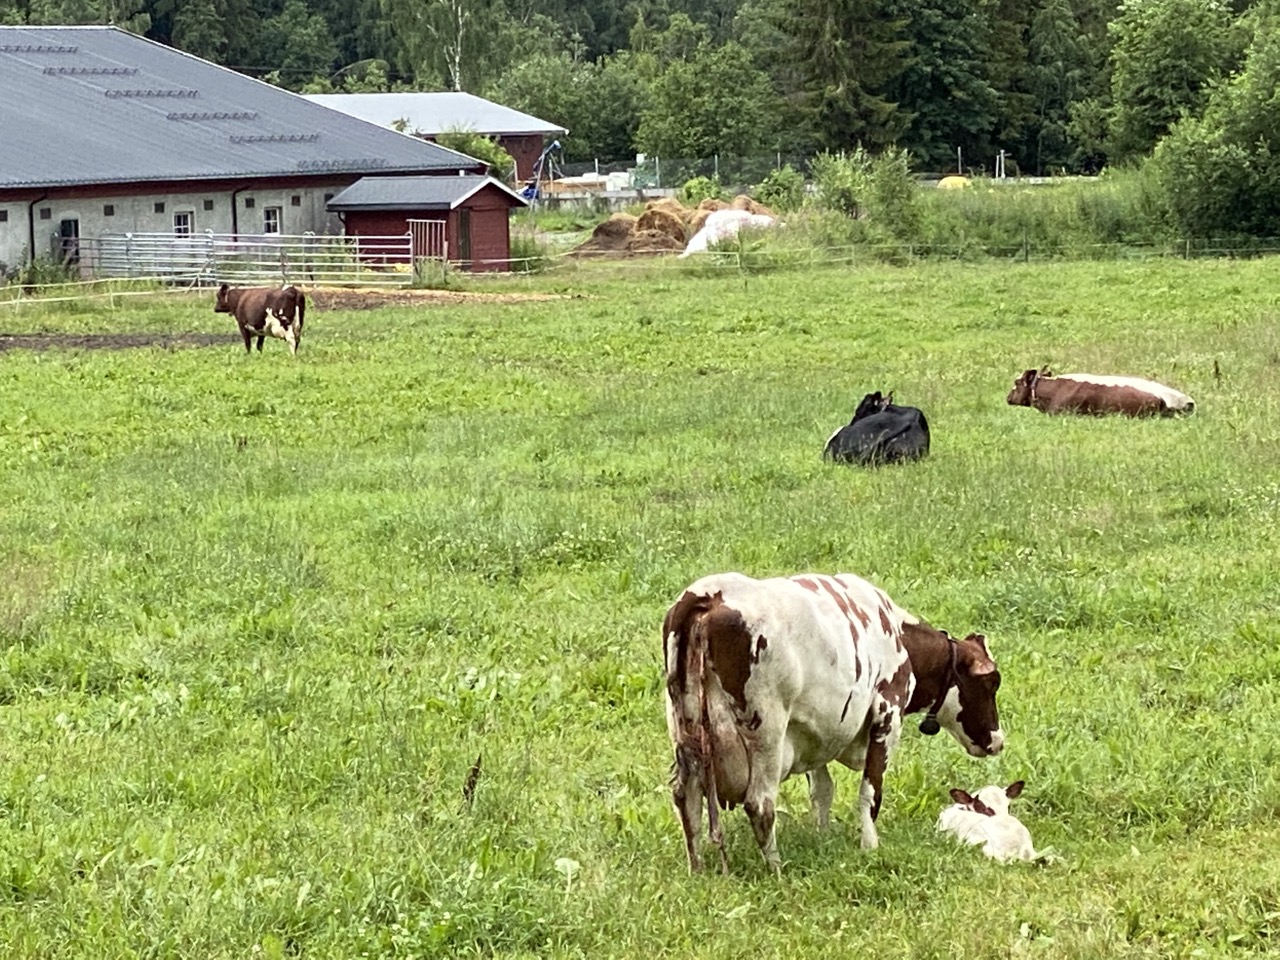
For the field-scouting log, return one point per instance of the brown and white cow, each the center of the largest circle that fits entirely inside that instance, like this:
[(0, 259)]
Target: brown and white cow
[(1092, 393), (770, 678), (263, 311)]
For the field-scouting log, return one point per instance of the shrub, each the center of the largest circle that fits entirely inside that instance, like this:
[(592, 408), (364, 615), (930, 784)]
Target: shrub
[(501, 165), (783, 189), (698, 189)]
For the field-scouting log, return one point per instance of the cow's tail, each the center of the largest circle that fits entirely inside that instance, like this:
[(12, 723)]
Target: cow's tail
[(302, 309), (693, 776)]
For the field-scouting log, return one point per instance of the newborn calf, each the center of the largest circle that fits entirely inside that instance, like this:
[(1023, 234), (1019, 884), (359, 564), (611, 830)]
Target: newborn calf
[(985, 820)]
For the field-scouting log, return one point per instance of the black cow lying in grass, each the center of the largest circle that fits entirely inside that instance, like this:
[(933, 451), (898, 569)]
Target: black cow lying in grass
[(880, 432)]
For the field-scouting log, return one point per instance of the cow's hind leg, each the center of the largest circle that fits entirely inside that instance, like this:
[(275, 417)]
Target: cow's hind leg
[(686, 796), (822, 789)]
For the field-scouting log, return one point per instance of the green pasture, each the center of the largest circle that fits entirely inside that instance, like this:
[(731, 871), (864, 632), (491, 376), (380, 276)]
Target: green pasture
[(260, 615)]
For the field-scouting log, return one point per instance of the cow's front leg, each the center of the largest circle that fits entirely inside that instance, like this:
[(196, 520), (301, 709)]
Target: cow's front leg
[(822, 790), (244, 332), (884, 736), (261, 337)]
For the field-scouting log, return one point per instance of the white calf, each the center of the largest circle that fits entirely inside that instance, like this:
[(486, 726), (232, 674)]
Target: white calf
[(984, 820)]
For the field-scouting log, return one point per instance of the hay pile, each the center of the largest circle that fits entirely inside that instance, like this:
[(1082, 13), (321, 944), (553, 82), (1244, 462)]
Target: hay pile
[(664, 226)]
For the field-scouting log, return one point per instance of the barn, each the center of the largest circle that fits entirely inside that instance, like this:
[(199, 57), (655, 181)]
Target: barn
[(428, 115), (108, 135), (461, 219)]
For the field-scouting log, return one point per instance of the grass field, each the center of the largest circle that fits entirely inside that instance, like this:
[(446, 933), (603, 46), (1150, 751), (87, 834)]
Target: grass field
[(260, 615)]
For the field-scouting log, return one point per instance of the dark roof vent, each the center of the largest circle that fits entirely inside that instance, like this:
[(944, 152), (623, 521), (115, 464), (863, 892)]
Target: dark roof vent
[(356, 163), (152, 93), (36, 48), (274, 137), (214, 115), (91, 71)]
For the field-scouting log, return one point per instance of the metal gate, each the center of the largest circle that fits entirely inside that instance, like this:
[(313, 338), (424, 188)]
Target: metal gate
[(429, 240)]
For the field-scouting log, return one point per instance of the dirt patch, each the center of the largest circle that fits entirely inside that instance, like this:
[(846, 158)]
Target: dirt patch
[(112, 341), (360, 298)]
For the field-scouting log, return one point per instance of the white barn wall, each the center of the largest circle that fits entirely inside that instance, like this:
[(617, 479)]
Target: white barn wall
[(137, 214)]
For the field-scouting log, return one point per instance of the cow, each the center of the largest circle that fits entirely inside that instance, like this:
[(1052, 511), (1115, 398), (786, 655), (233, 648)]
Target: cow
[(766, 679), (984, 819), (880, 432), (1095, 394), (260, 311)]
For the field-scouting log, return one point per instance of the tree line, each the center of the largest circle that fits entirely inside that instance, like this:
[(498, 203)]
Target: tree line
[(1057, 85)]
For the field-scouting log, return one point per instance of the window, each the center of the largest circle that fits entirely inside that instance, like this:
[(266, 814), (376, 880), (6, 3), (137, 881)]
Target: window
[(108, 209), (160, 207), (4, 216), (328, 197), (46, 213), (295, 201), (248, 203), (271, 219), (208, 204), (184, 222)]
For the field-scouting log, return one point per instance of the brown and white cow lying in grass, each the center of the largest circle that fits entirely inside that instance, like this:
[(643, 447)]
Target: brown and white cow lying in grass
[(1092, 393), (984, 819), (263, 311), (770, 678)]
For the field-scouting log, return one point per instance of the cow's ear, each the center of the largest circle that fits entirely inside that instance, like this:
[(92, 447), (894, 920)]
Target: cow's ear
[(1014, 790), (959, 796), (224, 288), (889, 398), (982, 808)]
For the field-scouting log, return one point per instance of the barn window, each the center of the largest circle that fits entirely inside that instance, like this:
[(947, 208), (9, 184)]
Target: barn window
[(46, 213), (295, 201), (108, 209), (160, 206), (184, 222), (271, 219), (4, 216), (208, 204), (248, 203)]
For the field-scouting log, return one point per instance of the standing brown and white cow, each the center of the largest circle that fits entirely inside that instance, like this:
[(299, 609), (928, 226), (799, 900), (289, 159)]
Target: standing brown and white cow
[(259, 311), (1092, 393), (770, 678)]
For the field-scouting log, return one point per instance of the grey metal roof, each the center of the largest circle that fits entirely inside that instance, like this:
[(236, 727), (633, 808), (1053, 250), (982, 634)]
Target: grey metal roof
[(436, 113), (414, 193), (100, 105)]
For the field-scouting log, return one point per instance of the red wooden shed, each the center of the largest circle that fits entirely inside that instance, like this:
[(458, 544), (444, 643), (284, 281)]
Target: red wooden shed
[(463, 219)]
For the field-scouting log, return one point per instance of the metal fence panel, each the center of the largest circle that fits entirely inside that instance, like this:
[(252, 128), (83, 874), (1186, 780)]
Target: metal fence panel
[(211, 258)]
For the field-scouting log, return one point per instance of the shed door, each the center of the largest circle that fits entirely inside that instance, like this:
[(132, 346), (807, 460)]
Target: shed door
[(464, 234)]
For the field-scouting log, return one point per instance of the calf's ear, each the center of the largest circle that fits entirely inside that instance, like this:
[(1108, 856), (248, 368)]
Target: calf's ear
[(959, 796), (982, 808), (1014, 790)]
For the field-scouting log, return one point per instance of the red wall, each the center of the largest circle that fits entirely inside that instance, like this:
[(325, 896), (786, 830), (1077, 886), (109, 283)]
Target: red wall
[(490, 230), (525, 151)]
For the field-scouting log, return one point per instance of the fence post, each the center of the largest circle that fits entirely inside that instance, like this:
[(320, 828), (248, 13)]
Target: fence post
[(210, 263), (1026, 247), (657, 172)]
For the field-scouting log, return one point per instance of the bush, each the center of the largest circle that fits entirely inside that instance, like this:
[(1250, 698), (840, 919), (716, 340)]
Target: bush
[(782, 190), (840, 181), (501, 165), (698, 189)]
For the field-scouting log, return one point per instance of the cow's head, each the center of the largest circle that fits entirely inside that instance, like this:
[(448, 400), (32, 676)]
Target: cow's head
[(871, 403), (223, 302), (968, 711), (1024, 388)]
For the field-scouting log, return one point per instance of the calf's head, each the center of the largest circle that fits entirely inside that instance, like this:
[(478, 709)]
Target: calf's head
[(968, 711), (990, 801), (222, 304)]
